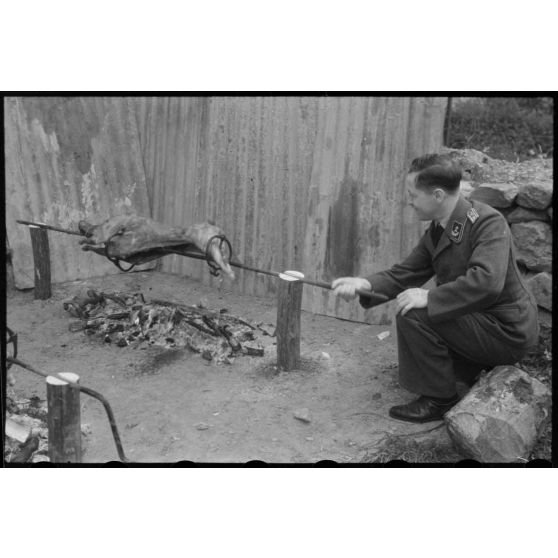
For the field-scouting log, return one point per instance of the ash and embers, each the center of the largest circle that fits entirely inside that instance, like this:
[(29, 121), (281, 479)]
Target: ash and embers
[(128, 319)]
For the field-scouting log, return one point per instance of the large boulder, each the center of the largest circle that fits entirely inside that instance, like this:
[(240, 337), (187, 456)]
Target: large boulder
[(497, 195), (541, 287), (533, 241), (535, 195), (498, 420), (521, 214)]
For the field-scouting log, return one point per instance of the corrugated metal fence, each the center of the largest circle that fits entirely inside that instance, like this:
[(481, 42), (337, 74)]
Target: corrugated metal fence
[(313, 184), (67, 159)]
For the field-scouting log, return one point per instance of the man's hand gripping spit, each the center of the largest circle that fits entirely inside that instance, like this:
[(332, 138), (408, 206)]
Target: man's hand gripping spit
[(411, 298), (346, 287)]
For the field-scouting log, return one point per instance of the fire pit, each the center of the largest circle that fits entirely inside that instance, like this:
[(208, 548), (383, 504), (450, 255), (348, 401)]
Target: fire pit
[(127, 319)]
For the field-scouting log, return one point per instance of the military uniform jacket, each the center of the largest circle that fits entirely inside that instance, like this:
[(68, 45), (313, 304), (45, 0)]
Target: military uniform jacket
[(475, 268)]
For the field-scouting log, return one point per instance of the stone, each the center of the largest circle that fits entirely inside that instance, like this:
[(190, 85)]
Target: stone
[(545, 318), (505, 211), (465, 188), (302, 414), (498, 420), (495, 194), (533, 242), (541, 287), (535, 195), (521, 214), (478, 167), (473, 163)]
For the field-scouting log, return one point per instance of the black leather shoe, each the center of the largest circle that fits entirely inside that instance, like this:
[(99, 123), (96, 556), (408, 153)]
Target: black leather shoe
[(423, 409)]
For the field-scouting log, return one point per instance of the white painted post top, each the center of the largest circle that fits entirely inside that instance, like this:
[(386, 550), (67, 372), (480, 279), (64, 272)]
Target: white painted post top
[(54, 381), (291, 275)]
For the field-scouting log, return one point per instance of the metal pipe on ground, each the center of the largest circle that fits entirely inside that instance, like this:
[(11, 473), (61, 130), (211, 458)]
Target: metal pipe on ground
[(77, 387)]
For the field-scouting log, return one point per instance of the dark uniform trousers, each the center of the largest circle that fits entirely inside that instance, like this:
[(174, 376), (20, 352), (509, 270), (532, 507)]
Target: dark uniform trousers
[(480, 313), (432, 356)]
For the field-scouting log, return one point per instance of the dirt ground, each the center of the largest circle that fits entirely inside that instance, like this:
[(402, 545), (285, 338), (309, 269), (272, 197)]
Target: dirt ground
[(172, 405)]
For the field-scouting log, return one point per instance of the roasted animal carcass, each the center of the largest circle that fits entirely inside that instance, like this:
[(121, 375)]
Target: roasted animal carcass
[(136, 239)]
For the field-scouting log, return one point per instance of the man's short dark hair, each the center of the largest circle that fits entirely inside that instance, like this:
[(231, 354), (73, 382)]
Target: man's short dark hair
[(436, 171)]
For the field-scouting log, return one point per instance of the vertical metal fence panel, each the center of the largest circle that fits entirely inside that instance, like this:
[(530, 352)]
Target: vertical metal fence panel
[(243, 163), (313, 184), (67, 159)]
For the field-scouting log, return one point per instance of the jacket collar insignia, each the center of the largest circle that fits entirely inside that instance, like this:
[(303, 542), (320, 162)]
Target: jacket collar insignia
[(456, 232), (458, 219), (456, 225)]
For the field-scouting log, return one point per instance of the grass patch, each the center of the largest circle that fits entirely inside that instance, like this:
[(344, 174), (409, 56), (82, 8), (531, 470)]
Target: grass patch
[(406, 448)]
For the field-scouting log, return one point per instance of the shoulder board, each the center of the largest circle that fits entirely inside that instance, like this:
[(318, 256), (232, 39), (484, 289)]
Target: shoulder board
[(472, 215)]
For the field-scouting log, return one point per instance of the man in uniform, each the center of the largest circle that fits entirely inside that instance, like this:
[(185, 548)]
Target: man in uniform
[(480, 310)]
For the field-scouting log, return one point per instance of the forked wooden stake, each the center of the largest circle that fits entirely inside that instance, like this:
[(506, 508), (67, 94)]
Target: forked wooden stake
[(64, 420), (288, 320), (41, 258)]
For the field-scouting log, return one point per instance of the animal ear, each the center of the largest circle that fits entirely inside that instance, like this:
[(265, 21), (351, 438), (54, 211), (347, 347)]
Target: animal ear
[(211, 222)]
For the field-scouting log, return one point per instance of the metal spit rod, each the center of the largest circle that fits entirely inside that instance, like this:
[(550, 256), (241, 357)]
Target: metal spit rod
[(377, 297), (323, 285), (49, 227)]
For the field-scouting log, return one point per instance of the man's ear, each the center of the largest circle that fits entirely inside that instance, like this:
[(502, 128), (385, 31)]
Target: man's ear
[(439, 194)]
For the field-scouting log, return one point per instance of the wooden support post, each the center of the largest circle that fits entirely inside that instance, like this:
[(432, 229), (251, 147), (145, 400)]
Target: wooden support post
[(64, 420), (41, 258), (288, 321)]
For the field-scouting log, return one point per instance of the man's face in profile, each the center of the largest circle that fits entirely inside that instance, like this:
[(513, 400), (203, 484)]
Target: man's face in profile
[(424, 202)]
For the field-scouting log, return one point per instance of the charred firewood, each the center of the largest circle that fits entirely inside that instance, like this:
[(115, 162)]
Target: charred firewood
[(233, 342), (185, 309), (77, 325), (125, 320), (252, 350), (201, 328)]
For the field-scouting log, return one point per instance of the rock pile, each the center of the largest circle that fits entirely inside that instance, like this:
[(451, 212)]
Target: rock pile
[(522, 192), (501, 417), (26, 431)]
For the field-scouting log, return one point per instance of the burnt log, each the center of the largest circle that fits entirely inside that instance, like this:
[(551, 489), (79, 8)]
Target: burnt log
[(252, 349), (498, 420)]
